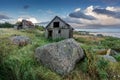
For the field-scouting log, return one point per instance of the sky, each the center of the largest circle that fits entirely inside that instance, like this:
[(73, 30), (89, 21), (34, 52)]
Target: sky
[(78, 13)]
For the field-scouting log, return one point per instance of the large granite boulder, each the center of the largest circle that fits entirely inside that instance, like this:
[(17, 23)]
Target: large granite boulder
[(60, 57), (20, 40)]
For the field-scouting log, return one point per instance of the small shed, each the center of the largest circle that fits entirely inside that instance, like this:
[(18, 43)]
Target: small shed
[(58, 28), (24, 25)]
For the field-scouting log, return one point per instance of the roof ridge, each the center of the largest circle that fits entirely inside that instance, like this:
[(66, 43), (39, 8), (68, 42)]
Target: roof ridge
[(60, 19)]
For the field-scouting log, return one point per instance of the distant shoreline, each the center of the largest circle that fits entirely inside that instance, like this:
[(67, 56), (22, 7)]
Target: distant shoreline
[(104, 32), (117, 35)]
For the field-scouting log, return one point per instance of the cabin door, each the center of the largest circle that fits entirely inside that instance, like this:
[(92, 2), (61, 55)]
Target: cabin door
[(50, 34)]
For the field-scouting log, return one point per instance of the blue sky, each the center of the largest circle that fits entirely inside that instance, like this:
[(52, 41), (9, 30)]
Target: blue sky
[(75, 12)]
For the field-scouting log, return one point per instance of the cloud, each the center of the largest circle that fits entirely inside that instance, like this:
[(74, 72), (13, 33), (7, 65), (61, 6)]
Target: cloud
[(26, 7), (108, 2), (3, 16), (71, 20), (88, 18), (23, 12), (107, 12), (111, 8), (67, 19), (111, 2), (43, 23), (6, 18), (78, 9), (32, 19), (107, 17), (79, 14), (50, 12)]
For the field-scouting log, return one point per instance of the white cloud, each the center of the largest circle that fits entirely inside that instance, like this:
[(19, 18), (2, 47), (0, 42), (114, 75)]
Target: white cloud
[(101, 19), (113, 8), (78, 9), (50, 12), (32, 19)]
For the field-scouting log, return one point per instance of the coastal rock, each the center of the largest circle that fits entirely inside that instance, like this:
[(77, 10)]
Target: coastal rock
[(60, 57), (99, 35), (111, 52), (108, 58), (84, 33), (20, 40), (102, 52)]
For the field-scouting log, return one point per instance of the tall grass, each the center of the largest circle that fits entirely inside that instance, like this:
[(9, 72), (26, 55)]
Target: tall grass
[(18, 63), (98, 68)]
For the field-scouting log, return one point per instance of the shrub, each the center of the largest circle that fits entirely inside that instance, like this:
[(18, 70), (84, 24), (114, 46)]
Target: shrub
[(102, 66), (117, 57), (111, 42), (6, 48), (84, 65), (93, 65), (41, 28), (6, 25)]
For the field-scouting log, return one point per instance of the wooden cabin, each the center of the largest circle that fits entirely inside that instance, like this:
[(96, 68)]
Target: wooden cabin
[(58, 28)]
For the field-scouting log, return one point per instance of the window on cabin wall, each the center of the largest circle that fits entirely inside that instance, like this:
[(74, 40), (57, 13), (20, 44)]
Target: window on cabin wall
[(56, 24), (59, 31)]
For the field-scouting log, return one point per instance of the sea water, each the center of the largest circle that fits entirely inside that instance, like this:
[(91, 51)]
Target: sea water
[(105, 32)]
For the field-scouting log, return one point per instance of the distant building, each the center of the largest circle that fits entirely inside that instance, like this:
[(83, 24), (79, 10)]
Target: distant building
[(99, 35), (24, 25), (58, 28)]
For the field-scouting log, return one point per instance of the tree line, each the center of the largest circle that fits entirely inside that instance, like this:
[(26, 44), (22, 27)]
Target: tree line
[(6, 25)]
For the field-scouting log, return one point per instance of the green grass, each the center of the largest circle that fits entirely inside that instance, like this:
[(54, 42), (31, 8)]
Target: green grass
[(98, 68), (18, 63)]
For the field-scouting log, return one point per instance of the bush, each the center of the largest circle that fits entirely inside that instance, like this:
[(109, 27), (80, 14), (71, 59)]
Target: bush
[(6, 48), (84, 65), (110, 42), (41, 28), (6, 25), (117, 57), (102, 66), (94, 66)]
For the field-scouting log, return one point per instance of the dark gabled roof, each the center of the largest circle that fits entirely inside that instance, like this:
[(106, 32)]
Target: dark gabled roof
[(60, 19), (28, 23)]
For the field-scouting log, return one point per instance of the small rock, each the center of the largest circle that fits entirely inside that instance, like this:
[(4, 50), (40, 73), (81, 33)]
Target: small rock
[(102, 52), (106, 52), (60, 57), (99, 35), (20, 40), (108, 58), (84, 33), (111, 52)]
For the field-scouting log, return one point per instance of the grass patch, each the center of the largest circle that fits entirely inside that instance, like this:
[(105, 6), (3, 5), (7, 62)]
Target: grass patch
[(18, 63)]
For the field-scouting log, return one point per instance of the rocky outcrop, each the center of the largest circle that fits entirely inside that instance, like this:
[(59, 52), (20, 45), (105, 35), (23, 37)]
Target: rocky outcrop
[(102, 52), (111, 52), (60, 57), (20, 40), (107, 54), (99, 35), (108, 58)]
